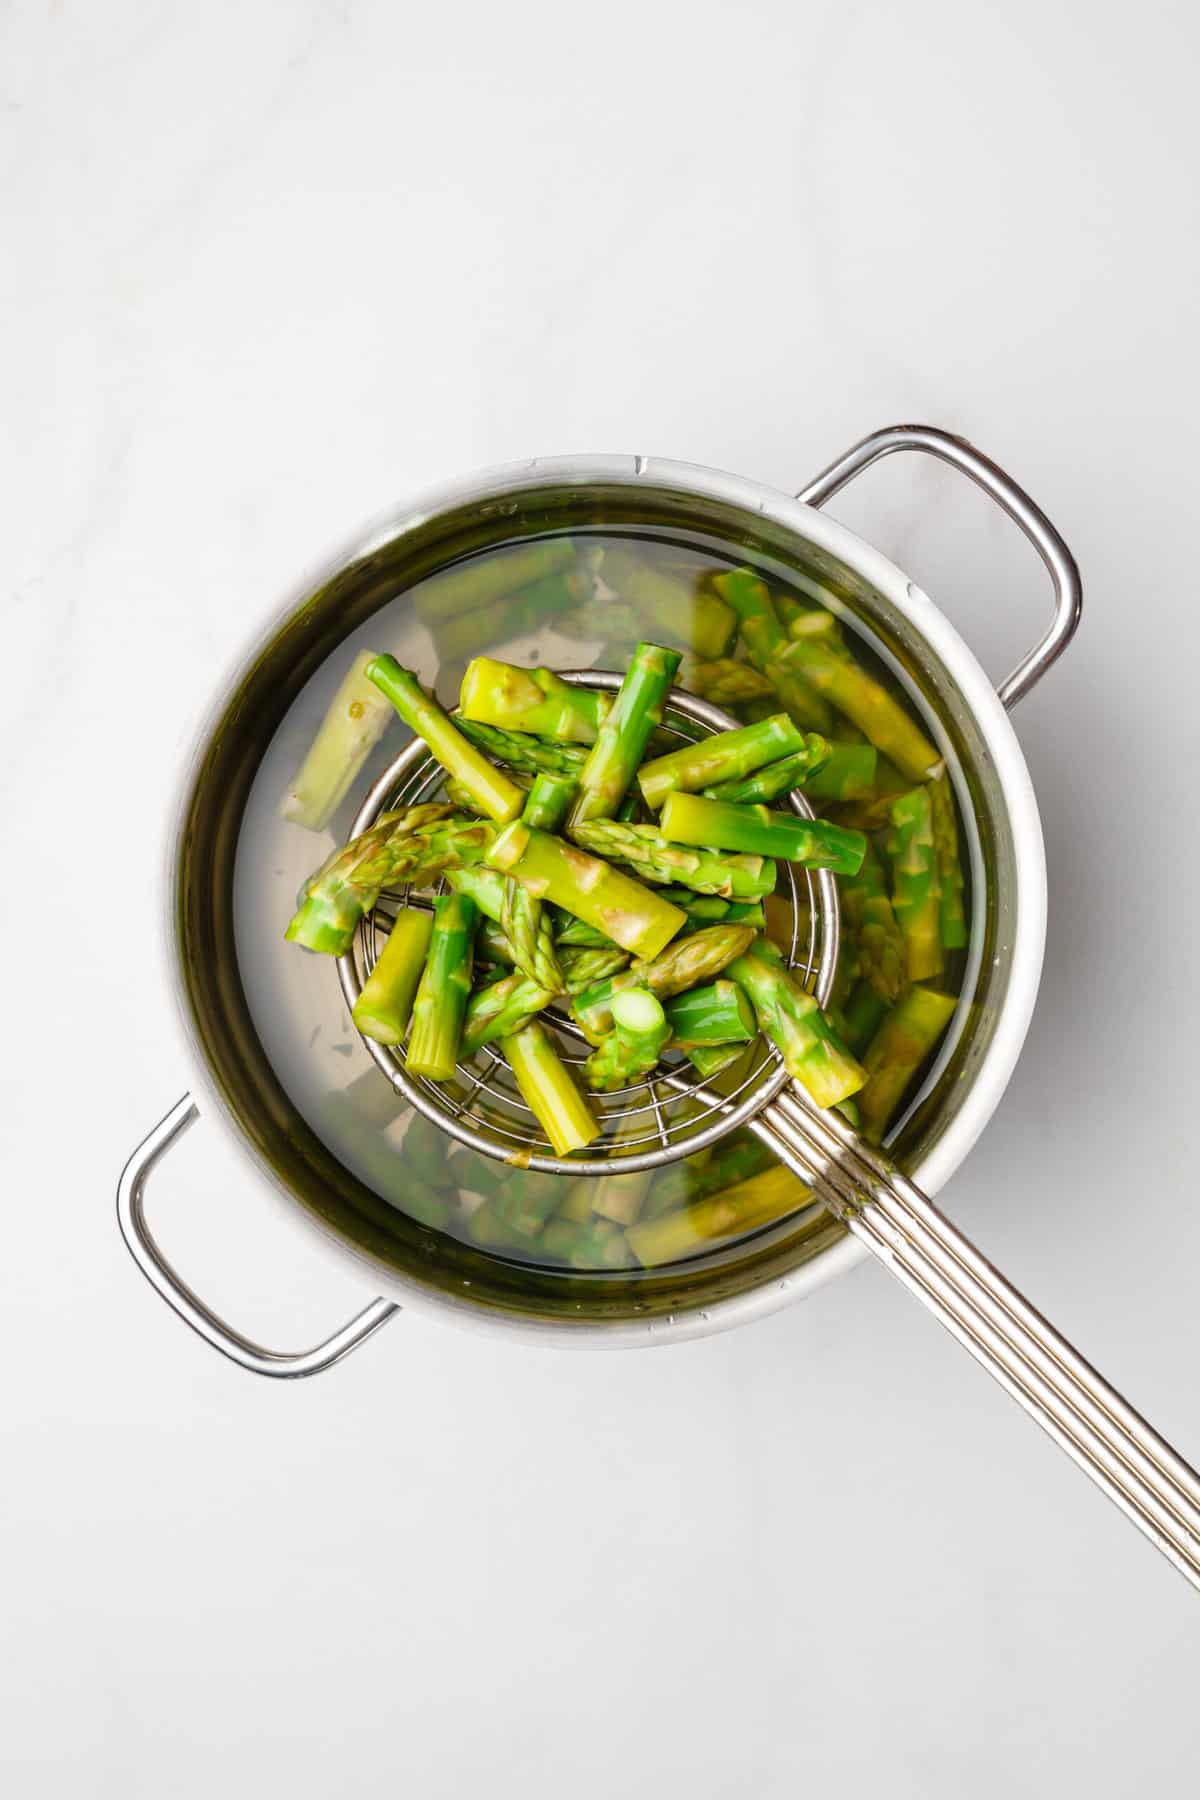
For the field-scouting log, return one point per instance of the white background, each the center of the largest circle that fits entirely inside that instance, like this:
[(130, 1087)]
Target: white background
[(266, 269)]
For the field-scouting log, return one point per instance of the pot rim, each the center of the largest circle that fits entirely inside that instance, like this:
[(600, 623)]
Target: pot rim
[(989, 1082)]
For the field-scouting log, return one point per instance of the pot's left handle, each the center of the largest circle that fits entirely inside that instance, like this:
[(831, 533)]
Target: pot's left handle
[(131, 1215)]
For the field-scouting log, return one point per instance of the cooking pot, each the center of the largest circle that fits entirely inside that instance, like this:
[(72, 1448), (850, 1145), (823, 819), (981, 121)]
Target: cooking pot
[(241, 1075)]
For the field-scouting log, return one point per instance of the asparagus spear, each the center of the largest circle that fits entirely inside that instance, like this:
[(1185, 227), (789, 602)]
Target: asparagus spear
[(766, 641), (896, 1052), (777, 778), (357, 718), (683, 965), (534, 701), (500, 1010), (620, 746), (347, 885), (632, 915), (862, 1016), (765, 1197), (549, 801), (525, 755), (521, 916), (633, 1046), (952, 916), (495, 795), (571, 933), (710, 1059), (649, 851), (733, 1161), (384, 1006), (915, 891), (872, 927), (458, 636), (441, 1001), (492, 576), (718, 1013), (849, 774), (560, 1109), (583, 968), (724, 682), (692, 819), (493, 945), (597, 1245), (712, 909), (829, 667), (621, 1197), (672, 603), (725, 756), (796, 1026)]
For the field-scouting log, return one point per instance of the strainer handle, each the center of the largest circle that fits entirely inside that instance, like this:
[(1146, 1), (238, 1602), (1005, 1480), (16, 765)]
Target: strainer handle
[(1032, 1361), (150, 1260), (1046, 540)]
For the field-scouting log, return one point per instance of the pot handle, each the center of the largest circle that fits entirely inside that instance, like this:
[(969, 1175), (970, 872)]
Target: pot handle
[(150, 1260), (1060, 564)]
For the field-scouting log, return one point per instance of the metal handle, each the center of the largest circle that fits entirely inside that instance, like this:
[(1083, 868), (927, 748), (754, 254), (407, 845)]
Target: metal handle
[(150, 1260), (1060, 564), (1069, 1399)]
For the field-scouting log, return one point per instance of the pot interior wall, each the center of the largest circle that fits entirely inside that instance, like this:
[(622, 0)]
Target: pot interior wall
[(234, 882)]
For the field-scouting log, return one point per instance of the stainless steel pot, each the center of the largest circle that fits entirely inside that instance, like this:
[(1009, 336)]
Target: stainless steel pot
[(237, 1080)]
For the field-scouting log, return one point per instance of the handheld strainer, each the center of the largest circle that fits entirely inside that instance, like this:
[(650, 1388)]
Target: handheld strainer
[(674, 1113)]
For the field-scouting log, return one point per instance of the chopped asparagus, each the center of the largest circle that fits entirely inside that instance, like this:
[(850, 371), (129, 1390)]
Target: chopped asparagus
[(632, 915), (549, 1092), (872, 929), (533, 701), (495, 795), (766, 641), (710, 1059), (347, 885), (862, 1016), (681, 966), (549, 800), (767, 784), (725, 756), (693, 819), (952, 917), (441, 1000), (833, 672), (648, 850), (915, 889), (583, 968), (357, 718), (458, 636), (673, 604), (724, 682), (718, 1013), (633, 1046), (764, 1198), (906, 1037), (795, 1024), (620, 746), (478, 581), (384, 1006), (524, 754), (849, 774)]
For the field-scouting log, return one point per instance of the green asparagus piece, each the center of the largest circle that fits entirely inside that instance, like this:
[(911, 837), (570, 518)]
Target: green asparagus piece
[(766, 642), (357, 718), (952, 917), (458, 636), (718, 1013), (620, 746), (632, 1048), (493, 946), (571, 933), (632, 915), (479, 580), (549, 801), (583, 968), (486, 1228), (849, 774), (862, 1016), (895, 1054), (523, 754), (681, 966), (495, 795), (711, 909), (530, 935), (621, 1197), (441, 1001), (795, 1024), (650, 852), (725, 756), (425, 1150), (560, 1109), (384, 1006), (671, 603), (345, 888), (692, 819), (761, 1200), (500, 1010), (533, 701), (916, 897), (724, 682), (767, 784), (734, 1160), (880, 952), (597, 1245), (829, 667), (710, 1059)]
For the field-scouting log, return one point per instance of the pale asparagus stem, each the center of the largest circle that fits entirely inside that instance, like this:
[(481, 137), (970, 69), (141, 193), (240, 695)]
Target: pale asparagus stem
[(515, 615), (549, 801), (692, 819), (710, 1059), (901, 1044), (765, 641), (797, 1027), (548, 1090), (819, 656), (862, 1015), (357, 717), (532, 701), (951, 909), (718, 1013), (771, 1195), (347, 885), (683, 965), (650, 853), (495, 795), (384, 1006), (480, 580), (441, 999), (701, 910), (915, 891), (724, 682), (875, 945), (735, 1159), (763, 785), (725, 756), (632, 1048), (673, 605), (620, 746), (632, 915)]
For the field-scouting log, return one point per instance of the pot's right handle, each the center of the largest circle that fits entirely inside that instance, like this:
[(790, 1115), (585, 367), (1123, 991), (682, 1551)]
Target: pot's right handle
[(191, 1309), (1060, 564)]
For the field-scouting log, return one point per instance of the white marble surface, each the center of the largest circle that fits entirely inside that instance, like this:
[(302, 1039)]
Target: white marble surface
[(269, 266)]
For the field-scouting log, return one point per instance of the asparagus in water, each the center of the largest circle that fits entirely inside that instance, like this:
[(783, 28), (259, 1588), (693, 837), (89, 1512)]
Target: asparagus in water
[(441, 1000)]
